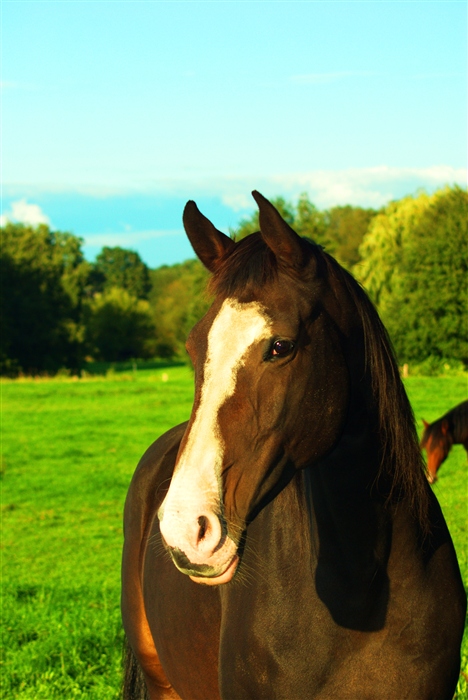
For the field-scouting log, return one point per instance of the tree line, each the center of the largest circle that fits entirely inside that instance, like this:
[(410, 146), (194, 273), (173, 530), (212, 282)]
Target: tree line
[(60, 311)]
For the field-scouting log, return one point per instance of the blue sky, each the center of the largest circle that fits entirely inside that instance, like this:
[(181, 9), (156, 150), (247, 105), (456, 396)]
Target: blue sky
[(115, 113)]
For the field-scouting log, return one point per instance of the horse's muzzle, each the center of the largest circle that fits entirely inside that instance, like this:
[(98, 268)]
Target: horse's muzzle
[(203, 573)]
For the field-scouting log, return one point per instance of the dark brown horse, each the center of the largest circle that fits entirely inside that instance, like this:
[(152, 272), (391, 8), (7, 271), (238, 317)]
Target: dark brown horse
[(439, 436), (296, 493)]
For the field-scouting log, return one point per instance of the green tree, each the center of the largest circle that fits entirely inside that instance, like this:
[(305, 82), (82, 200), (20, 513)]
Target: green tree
[(119, 326), (310, 222), (383, 246), (118, 267), (178, 300), (345, 229), (43, 275), (415, 265)]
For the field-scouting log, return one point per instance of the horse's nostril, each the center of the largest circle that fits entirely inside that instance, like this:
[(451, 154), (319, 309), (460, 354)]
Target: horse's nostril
[(203, 527)]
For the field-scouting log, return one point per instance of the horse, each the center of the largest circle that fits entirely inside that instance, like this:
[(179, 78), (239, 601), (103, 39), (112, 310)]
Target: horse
[(439, 436), (284, 543)]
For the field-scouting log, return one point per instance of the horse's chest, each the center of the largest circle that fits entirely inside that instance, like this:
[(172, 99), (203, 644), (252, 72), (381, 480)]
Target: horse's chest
[(275, 632), (269, 635), (266, 630), (184, 618)]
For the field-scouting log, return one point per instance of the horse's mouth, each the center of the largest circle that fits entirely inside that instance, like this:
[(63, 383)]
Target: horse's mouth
[(214, 571), (217, 580)]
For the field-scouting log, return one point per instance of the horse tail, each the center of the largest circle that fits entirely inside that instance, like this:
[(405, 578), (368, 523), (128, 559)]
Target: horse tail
[(133, 685)]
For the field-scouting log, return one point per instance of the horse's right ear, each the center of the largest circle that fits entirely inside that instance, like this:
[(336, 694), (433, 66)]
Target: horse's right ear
[(209, 244), (278, 235), (425, 423)]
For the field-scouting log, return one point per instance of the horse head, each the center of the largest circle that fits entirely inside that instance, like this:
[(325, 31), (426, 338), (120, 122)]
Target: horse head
[(271, 388), (437, 441)]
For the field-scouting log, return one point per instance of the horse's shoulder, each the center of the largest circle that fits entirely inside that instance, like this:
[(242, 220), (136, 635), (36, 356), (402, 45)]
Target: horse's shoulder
[(153, 474), (146, 492)]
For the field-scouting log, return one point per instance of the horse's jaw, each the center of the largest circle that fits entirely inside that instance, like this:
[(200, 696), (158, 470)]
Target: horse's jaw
[(225, 577), (219, 568)]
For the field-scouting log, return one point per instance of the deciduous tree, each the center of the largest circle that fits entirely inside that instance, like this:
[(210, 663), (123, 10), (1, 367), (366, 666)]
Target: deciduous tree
[(345, 228), (43, 275), (415, 265), (118, 267), (119, 326), (178, 299)]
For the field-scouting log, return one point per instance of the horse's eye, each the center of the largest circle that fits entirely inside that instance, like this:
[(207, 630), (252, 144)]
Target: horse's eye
[(281, 348)]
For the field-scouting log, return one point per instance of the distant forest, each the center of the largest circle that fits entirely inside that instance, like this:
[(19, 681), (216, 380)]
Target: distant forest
[(60, 311)]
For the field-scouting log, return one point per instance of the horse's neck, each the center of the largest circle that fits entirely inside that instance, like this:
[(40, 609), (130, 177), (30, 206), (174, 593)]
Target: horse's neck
[(329, 534), (350, 526), (460, 424), (345, 505)]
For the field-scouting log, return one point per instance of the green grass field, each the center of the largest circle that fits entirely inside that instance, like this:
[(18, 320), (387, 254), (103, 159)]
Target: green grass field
[(69, 450)]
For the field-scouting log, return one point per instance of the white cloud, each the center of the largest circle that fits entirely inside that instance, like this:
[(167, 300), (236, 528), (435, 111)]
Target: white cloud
[(128, 238), (25, 213), (236, 202), (369, 187)]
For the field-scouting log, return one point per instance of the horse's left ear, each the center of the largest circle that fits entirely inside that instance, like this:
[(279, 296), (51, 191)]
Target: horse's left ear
[(444, 427), (209, 244), (278, 235)]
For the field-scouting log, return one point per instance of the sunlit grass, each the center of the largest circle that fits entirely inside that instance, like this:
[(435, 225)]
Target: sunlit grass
[(69, 450), (431, 397)]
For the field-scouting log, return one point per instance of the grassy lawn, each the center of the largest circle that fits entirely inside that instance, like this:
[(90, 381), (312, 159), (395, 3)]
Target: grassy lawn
[(69, 450)]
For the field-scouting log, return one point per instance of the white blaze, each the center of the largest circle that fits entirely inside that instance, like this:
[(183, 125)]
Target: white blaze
[(196, 484)]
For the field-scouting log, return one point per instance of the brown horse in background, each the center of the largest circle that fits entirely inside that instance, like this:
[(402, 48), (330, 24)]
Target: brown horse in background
[(296, 493), (439, 436)]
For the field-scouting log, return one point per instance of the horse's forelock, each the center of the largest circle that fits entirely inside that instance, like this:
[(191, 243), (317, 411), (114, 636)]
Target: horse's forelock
[(252, 265)]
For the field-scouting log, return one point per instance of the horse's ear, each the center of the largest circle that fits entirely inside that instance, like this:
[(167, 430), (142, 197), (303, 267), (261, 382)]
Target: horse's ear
[(209, 244), (278, 235), (444, 427), (425, 423)]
